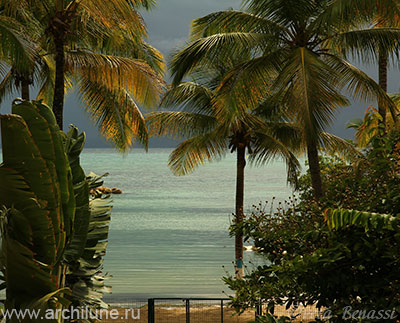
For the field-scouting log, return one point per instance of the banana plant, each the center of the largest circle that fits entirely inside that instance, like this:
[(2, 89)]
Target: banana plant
[(84, 254), (38, 212), (53, 236), (340, 218)]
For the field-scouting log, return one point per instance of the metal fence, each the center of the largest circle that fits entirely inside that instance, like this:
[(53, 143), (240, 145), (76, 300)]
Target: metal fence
[(197, 310), (179, 310)]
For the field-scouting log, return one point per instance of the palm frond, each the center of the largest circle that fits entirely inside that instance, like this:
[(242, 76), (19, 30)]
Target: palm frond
[(179, 124), (350, 13), (7, 86), (190, 97), (214, 48), (15, 47), (232, 21), (307, 86), (359, 84), (196, 151), (336, 146), (120, 14), (113, 72), (266, 147), (115, 113), (364, 44)]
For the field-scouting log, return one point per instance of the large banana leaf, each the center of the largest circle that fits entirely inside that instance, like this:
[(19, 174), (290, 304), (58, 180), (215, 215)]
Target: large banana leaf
[(340, 218), (38, 210), (86, 278), (73, 144)]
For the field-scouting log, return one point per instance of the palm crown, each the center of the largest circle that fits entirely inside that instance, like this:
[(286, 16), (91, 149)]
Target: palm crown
[(104, 56), (295, 44), (211, 126)]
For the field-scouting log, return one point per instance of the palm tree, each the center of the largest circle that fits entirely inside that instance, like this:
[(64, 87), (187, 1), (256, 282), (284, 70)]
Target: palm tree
[(379, 14), (17, 50), (293, 43), (103, 54), (211, 127)]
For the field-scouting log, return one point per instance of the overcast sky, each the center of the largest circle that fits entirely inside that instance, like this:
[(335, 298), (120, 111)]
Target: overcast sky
[(168, 27)]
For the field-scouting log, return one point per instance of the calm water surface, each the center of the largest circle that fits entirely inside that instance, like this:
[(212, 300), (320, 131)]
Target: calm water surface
[(169, 234)]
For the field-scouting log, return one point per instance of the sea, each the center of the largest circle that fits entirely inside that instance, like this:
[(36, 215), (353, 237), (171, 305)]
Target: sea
[(169, 235)]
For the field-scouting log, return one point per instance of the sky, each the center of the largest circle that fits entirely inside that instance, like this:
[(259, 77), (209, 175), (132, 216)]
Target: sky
[(168, 28)]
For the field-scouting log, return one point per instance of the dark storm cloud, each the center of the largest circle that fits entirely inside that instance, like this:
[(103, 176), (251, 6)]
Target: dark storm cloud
[(169, 23)]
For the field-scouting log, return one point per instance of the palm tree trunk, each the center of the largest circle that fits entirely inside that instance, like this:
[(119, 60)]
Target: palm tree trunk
[(315, 170), (241, 164), (58, 101), (25, 89), (383, 75)]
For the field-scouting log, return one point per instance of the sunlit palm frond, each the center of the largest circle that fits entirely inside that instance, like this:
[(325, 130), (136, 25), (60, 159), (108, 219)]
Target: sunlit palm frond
[(46, 91), (180, 124), (214, 48), (232, 21), (113, 72), (146, 4), (196, 151), (336, 146), (115, 113), (153, 57), (118, 14)]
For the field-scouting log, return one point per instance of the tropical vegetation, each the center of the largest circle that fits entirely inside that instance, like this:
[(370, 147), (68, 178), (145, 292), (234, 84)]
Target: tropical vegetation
[(96, 47), (212, 127), (264, 82), (341, 251), (53, 234), (296, 45)]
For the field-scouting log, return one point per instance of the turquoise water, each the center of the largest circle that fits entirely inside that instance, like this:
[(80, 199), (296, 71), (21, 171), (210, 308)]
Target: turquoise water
[(169, 235)]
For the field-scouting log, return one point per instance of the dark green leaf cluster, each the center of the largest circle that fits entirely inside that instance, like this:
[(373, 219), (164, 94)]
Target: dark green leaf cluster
[(350, 260)]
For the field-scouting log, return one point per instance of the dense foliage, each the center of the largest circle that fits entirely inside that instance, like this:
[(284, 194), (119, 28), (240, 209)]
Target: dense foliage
[(53, 236), (307, 262)]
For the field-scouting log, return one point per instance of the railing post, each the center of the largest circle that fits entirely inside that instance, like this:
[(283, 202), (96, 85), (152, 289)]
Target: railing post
[(187, 310), (258, 310), (222, 311), (150, 310)]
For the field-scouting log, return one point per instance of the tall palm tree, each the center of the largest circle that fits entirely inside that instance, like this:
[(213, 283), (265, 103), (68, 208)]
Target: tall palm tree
[(293, 43), (104, 55), (378, 14), (211, 127)]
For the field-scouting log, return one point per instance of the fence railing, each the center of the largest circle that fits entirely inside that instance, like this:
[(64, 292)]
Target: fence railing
[(200, 310), (189, 310), (182, 310)]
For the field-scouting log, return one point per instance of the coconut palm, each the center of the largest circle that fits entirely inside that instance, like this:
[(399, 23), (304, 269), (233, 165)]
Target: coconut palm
[(379, 14), (293, 43), (212, 127), (104, 55)]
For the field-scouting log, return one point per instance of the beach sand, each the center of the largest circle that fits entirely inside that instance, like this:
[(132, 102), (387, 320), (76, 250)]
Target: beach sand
[(203, 314)]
